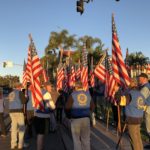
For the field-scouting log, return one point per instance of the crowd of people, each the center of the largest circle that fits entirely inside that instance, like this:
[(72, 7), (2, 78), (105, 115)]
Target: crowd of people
[(77, 107)]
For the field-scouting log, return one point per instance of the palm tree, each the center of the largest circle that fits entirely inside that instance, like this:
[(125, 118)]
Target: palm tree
[(62, 40), (93, 45), (58, 41), (137, 58)]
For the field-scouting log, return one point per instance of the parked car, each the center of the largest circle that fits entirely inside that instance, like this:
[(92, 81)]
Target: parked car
[(6, 90)]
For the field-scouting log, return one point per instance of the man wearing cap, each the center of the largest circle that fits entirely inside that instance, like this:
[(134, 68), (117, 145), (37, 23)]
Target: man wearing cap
[(144, 87), (78, 106), (16, 101), (42, 118), (135, 105)]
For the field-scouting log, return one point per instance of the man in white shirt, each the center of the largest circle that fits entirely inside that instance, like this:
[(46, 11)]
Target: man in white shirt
[(42, 118)]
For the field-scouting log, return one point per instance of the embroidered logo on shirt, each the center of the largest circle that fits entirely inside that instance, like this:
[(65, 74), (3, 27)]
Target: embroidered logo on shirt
[(140, 103), (11, 96), (82, 99)]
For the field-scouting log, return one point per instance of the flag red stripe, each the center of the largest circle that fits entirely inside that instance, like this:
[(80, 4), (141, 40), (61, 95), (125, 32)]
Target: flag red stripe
[(120, 72), (100, 72)]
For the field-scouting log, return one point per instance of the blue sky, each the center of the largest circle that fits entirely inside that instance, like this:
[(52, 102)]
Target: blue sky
[(18, 18)]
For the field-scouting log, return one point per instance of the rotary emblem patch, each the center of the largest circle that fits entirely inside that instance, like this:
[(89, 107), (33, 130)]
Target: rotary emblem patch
[(12, 96), (82, 99), (140, 103)]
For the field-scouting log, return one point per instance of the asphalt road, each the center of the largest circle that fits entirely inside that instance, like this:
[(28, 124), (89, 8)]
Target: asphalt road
[(101, 139)]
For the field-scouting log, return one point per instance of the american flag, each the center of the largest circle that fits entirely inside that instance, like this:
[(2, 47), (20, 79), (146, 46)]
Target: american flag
[(78, 71), (100, 69), (92, 77), (84, 70), (60, 76), (109, 81), (72, 77), (148, 69), (45, 77), (60, 72), (120, 72), (24, 77), (65, 83), (34, 70), (28, 66), (69, 75)]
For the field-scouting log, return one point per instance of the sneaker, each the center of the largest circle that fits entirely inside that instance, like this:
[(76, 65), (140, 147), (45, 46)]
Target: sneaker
[(25, 145), (3, 135), (14, 148), (20, 148)]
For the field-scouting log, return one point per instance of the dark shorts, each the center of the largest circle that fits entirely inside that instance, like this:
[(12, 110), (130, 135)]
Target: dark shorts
[(42, 125)]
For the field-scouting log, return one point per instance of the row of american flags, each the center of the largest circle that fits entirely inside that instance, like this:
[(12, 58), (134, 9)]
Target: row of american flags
[(108, 71)]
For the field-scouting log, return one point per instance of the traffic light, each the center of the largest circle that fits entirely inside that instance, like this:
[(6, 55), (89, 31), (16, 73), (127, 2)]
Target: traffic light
[(80, 6), (4, 64)]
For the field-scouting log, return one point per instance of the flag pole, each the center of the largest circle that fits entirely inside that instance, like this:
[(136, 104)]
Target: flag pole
[(102, 58), (30, 37), (61, 54), (108, 110)]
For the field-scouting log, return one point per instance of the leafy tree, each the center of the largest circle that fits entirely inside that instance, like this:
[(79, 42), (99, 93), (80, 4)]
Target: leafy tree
[(8, 80)]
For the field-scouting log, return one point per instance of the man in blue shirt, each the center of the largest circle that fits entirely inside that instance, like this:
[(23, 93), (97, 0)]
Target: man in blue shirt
[(144, 87), (79, 105), (135, 105)]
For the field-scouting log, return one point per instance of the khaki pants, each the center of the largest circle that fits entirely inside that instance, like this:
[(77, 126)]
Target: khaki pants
[(147, 121), (134, 131), (80, 129), (17, 128)]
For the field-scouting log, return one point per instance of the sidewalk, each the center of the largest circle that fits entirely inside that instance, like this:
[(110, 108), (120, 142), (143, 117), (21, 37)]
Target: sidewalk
[(110, 137)]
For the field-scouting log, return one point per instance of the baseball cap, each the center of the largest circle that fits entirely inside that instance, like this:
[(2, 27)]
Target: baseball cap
[(144, 75)]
